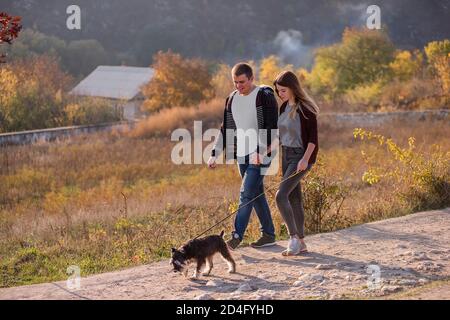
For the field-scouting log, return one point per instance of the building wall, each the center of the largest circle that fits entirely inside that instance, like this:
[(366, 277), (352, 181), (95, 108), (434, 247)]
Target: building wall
[(131, 110), (54, 134)]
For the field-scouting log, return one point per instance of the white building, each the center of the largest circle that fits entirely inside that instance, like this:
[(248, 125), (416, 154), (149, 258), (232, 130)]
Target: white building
[(118, 83)]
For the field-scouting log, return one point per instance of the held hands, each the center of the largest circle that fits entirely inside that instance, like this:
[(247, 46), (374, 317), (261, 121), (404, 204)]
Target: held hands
[(302, 165), (212, 162), (255, 158)]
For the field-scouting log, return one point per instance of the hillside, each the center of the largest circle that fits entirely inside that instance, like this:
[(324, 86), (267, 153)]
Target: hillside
[(230, 30)]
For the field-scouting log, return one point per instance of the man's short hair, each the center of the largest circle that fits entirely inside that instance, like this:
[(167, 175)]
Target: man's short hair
[(242, 68)]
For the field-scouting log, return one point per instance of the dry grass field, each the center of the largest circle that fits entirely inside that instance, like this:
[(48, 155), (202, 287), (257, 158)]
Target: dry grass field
[(108, 201)]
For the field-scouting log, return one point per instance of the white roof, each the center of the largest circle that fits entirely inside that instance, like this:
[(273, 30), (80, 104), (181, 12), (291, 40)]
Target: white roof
[(116, 82)]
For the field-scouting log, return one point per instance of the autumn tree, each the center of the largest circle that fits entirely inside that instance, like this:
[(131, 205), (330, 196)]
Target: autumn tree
[(269, 68), (9, 30), (177, 82), (222, 81), (438, 55), (31, 94), (406, 65)]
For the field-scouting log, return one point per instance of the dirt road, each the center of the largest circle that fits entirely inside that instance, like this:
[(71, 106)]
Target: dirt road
[(406, 257)]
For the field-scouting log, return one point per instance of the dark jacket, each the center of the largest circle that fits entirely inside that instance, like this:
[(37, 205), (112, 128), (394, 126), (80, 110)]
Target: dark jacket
[(308, 130), (267, 114)]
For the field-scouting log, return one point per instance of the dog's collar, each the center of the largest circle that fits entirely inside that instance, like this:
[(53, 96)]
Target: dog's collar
[(178, 263)]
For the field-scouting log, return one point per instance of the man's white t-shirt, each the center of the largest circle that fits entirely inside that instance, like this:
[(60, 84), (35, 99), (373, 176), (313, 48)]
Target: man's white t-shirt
[(245, 117)]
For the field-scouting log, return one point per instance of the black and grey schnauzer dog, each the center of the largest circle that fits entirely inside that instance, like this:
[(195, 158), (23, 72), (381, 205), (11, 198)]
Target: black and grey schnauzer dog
[(202, 251)]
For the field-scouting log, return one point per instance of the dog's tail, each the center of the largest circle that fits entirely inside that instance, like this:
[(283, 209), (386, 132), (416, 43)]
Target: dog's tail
[(222, 233)]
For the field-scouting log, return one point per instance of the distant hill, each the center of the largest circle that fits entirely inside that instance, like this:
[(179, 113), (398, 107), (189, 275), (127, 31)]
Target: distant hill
[(232, 29)]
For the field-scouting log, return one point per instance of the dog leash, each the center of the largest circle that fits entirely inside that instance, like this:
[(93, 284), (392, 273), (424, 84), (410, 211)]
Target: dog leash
[(246, 204)]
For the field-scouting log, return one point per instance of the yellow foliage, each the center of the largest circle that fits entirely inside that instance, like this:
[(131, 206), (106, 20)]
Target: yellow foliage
[(406, 65), (426, 173), (177, 82), (8, 83), (72, 110), (54, 203), (361, 58), (438, 54), (303, 75), (269, 68), (371, 177), (366, 95), (32, 99), (222, 81)]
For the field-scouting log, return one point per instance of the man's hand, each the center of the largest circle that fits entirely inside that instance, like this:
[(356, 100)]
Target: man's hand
[(212, 162), (255, 158)]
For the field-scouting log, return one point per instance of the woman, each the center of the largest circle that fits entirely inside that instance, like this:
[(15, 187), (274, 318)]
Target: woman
[(297, 124)]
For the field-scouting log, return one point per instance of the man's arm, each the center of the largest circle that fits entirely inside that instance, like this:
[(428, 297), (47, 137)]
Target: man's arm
[(220, 141), (270, 108)]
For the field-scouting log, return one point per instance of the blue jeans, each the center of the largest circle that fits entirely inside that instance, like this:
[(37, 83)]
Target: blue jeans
[(252, 186)]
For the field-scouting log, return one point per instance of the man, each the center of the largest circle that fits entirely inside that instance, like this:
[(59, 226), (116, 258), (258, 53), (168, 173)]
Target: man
[(249, 109)]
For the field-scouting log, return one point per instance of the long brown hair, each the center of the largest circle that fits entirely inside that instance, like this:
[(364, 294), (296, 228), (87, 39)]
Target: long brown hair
[(302, 99)]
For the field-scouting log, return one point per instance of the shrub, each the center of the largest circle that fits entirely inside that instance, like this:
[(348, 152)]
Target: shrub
[(412, 94), (167, 120), (365, 96), (323, 202), (422, 180), (91, 111)]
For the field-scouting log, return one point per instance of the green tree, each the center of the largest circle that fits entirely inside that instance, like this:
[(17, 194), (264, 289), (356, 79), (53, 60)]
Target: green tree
[(83, 56), (363, 57), (77, 57), (33, 43)]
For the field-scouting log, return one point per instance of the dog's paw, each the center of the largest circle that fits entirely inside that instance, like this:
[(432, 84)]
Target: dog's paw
[(231, 271), (206, 273)]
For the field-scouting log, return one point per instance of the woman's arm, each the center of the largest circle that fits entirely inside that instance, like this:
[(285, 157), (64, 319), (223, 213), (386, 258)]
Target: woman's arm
[(313, 138), (303, 163)]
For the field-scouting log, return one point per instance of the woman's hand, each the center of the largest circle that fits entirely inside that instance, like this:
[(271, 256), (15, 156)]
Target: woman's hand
[(255, 158), (212, 162), (302, 165)]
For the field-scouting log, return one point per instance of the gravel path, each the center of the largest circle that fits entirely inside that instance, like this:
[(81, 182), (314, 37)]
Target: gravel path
[(373, 260)]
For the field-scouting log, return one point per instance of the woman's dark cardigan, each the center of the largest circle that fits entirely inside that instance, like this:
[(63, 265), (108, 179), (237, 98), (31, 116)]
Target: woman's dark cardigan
[(308, 127)]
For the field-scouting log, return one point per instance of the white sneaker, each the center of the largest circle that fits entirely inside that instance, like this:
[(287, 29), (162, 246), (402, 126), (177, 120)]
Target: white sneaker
[(293, 247), (303, 247)]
